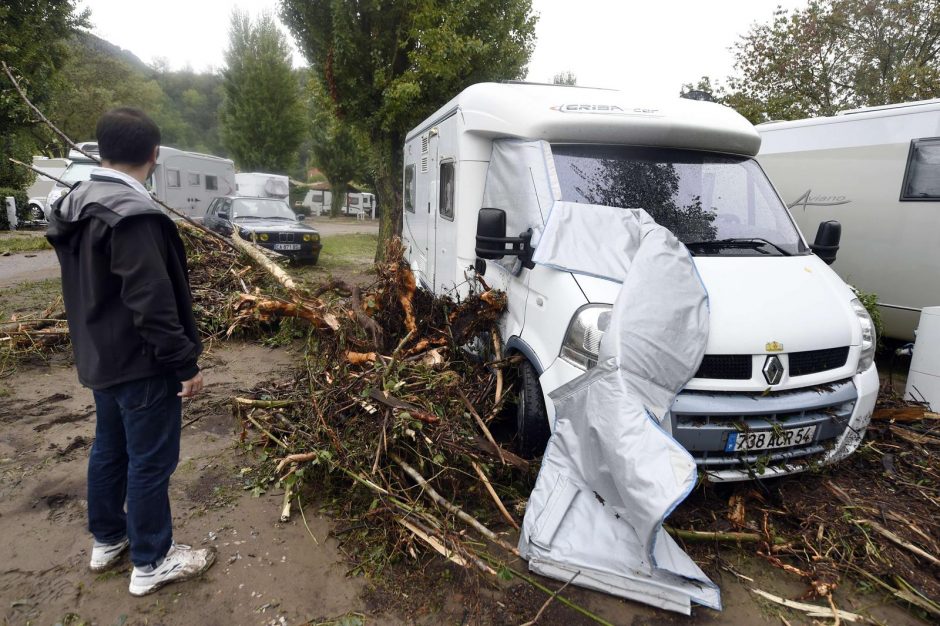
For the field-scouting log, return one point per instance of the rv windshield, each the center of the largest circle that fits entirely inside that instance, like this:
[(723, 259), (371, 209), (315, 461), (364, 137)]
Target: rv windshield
[(78, 172), (262, 208), (717, 205)]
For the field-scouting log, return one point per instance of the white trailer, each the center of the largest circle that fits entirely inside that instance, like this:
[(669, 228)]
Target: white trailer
[(260, 185), (318, 201), (877, 171), (39, 190)]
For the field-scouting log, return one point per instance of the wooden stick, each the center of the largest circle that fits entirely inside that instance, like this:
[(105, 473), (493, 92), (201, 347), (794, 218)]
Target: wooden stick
[(285, 508), (456, 510), (40, 172), (265, 431), (811, 610), (549, 600), (295, 458), (702, 535), (898, 540), (269, 266), (492, 492), (497, 348), (482, 425), (433, 542), (264, 404)]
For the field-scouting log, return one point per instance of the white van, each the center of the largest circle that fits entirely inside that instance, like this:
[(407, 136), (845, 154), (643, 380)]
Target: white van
[(877, 171), (259, 185), (788, 379), (187, 181), (42, 185)]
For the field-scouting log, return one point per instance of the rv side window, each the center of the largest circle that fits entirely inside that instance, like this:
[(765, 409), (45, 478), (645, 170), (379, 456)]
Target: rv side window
[(172, 178), (922, 176), (194, 179), (354, 201), (410, 188), (212, 183), (318, 197), (446, 202)]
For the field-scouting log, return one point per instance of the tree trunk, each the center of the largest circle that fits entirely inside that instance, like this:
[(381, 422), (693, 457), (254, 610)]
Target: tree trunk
[(387, 157), (338, 201)]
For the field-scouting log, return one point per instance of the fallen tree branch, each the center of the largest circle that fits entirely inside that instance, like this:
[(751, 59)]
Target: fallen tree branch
[(811, 610), (492, 492), (263, 404), (482, 425), (264, 262), (549, 600), (884, 532), (736, 537)]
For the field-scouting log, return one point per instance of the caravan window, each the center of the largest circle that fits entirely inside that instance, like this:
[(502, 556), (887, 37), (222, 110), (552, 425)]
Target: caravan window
[(446, 201), (922, 176), (318, 196), (172, 178), (194, 179), (354, 200), (212, 183), (410, 188)]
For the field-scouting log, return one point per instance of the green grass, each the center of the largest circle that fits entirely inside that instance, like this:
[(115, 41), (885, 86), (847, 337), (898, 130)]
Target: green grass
[(344, 250), (27, 243), (29, 296)]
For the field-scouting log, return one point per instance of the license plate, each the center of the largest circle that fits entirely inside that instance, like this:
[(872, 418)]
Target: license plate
[(769, 439), (287, 246)]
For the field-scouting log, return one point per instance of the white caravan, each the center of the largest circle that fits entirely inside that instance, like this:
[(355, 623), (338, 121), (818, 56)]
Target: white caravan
[(877, 171), (318, 201), (189, 181), (260, 185), (39, 190), (790, 351)]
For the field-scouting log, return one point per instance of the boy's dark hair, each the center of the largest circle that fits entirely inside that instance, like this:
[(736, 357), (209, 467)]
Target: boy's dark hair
[(126, 135)]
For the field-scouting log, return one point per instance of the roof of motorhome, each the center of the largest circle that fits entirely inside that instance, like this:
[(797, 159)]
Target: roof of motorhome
[(854, 115), (566, 114), (166, 151)]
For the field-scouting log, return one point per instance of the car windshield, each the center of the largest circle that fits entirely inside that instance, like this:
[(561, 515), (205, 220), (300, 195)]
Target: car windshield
[(717, 205), (266, 208), (77, 172)]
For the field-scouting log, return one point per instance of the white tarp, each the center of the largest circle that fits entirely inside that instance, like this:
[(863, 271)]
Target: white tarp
[(611, 474)]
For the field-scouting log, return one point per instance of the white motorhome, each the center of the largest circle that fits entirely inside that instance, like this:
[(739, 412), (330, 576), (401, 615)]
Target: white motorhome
[(877, 171), (318, 201), (187, 181), (259, 185), (789, 359)]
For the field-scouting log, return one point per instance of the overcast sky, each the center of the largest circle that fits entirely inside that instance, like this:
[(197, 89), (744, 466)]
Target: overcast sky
[(626, 44)]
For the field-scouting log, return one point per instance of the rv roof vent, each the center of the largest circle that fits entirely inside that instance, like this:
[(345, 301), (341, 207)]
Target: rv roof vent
[(424, 144)]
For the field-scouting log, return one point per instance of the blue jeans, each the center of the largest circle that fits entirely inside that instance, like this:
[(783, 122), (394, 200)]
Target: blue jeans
[(136, 449)]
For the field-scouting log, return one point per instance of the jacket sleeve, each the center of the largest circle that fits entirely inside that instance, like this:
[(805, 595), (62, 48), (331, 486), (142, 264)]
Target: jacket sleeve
[(139, 252)]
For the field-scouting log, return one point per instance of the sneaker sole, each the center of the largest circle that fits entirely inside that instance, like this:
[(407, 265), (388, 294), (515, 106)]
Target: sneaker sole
[(144, 591)]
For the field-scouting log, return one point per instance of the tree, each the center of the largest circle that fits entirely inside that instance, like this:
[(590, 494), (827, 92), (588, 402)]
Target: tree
[(262, 118), (837, 54), (565, 78), (338, 148), (388, 64), (32, 36)]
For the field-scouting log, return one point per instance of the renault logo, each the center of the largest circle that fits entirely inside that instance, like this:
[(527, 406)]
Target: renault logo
[(773, 370)]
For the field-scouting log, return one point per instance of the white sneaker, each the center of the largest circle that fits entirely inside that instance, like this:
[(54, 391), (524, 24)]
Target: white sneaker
[(180, 563), (104, 555)]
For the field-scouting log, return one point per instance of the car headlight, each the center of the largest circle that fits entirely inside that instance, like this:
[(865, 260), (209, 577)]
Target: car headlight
[(583, 339), (263, 236), (307, 237), (867, 356)]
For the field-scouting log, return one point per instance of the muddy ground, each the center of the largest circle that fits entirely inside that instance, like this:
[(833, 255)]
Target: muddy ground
[(268, 572)]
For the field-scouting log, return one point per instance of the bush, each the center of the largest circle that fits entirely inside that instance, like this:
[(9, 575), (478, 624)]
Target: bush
[(21, 199)]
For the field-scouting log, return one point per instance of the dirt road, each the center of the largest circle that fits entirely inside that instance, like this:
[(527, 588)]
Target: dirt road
[(31, 266)]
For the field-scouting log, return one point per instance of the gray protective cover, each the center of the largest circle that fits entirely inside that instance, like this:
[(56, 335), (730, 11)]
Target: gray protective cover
[(611, 474)]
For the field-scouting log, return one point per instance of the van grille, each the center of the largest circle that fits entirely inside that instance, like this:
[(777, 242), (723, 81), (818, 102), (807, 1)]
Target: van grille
[(814, 361), (725, 366)]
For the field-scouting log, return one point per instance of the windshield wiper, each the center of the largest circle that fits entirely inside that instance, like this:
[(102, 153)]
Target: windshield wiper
[(742, 242)]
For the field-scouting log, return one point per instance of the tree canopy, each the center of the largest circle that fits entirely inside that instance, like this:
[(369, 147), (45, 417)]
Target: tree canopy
[(388, 64), (835, 55), (262, 117)]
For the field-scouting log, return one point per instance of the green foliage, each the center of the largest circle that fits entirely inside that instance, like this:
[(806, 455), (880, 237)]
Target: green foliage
[(338, 149), (195, 100), (32, 33), (870, 302), (388, 64), (262, 114), (835, 55)]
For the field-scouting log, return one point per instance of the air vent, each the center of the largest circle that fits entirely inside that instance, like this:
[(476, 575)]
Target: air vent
[(725, 367), (424, 144), (815, 361), (424, 163)]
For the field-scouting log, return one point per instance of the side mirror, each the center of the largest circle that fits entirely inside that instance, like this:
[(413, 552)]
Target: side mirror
[(301, 217), (492, 239), (827, 241), (222, 216)]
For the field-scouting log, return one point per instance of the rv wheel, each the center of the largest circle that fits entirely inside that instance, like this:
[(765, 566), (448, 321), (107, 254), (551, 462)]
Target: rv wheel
[(532, 429)]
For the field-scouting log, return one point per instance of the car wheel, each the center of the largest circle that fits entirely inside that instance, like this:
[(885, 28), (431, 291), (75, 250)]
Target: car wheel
[(532, 428), (36, 213)]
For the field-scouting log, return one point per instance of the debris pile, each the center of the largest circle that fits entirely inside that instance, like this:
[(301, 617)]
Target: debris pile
[(872, 518)]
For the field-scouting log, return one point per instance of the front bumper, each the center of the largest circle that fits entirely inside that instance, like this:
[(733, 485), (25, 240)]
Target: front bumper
[(309, 250), (702, 421)]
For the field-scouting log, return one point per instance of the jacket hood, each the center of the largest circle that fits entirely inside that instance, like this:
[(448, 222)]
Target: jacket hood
[(104, 198)]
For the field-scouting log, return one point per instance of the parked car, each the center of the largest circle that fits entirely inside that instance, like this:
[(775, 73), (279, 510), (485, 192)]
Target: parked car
[(269, 222)]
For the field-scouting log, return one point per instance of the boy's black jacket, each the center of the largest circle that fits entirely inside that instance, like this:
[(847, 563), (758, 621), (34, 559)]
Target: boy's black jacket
[(125, 285)]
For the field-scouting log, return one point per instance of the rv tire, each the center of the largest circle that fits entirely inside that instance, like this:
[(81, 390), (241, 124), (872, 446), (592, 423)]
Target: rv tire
[(532, 429)]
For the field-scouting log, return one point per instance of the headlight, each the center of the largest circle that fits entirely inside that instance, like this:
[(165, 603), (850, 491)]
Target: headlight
[(263, 236), (869, 339), (583, 339), (307, 237)]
